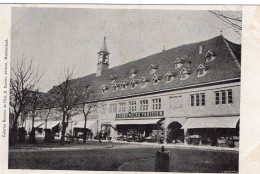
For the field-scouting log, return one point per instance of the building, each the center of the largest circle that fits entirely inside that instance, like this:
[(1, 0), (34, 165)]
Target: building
[(178, 95)]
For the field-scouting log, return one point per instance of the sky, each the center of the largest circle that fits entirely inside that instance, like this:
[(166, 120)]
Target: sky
[(58, 38)]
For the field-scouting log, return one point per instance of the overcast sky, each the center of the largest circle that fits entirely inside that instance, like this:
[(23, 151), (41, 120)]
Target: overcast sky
[(57, 38)]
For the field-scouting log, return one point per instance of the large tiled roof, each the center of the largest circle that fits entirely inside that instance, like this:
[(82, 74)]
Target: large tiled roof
[(222, 68)]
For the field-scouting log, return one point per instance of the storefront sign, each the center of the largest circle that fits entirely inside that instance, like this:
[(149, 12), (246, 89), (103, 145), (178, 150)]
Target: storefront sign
[(140, 114)]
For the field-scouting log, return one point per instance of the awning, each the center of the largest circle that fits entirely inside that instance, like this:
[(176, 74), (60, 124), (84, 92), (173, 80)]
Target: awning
[(37, 124), (50, 124), (125, 122), (211, 122)]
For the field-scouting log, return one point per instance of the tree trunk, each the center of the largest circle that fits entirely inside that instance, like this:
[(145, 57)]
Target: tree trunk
[(13, 132), (32, 134), (62, 140), (85, 131)]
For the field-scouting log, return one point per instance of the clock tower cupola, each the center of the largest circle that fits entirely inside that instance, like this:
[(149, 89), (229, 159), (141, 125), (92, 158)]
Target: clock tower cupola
[(103, 59)]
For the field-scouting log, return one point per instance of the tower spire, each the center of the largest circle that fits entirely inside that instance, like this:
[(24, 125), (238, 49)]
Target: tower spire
[(104, 46)]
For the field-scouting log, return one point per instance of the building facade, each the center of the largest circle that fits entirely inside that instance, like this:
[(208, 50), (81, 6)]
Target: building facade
[(189, 94)]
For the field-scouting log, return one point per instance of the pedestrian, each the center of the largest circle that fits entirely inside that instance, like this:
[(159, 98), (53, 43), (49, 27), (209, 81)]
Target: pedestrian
[(100, 137)]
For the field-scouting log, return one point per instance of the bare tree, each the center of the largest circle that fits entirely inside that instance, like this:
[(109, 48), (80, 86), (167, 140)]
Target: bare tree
[(231, 19), (65, 98), (87, 106), (23, 80)]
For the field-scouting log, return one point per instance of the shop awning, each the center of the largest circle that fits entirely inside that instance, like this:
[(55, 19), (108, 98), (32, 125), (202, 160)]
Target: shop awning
[(125, 122), (50, 124), (211, 122), (37, 124)]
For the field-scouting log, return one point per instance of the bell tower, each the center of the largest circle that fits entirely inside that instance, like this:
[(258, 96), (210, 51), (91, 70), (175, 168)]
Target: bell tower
[(103, 59)]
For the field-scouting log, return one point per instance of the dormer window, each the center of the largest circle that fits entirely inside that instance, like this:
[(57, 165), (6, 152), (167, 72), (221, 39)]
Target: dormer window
[(133, 73), (115, 86), (156, 79), (178, 63), (104, 89), (170, 76), (185, 73), (124, 85), (210, 56), (144, 81), (112, 79), (202, 70), (134, 83), (153, 68)]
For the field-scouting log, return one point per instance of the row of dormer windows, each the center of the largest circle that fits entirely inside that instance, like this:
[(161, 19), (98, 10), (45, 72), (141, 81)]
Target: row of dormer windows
[(185, 72), (210, 56)]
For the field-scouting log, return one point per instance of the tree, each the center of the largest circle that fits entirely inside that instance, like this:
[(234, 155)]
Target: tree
[(87, 107), (33, 110), (231, 20), (65, 98), (23, 80)]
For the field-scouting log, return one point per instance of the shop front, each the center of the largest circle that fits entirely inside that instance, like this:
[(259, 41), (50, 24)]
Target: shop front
[(91, 129), (140, 127), (214, 131)]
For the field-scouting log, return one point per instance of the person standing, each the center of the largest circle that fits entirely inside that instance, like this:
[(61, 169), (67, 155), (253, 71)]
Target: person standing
[(100, 137)]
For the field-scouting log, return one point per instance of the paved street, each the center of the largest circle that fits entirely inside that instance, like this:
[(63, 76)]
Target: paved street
[(122, 156)]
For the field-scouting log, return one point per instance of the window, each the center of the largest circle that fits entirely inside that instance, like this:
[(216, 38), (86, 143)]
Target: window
[(210, 56), (217, 101), (133, 73), (143, 105), (230, 97), (176, 102), (132, 106), (178, 63), (114, 87), (133, 85), (184, 74), (203, 101), (112, 108), (223, 94), (202, 70), (103, 109), (192, 100), (122, 107), (156, 79), (197, 96), (112, 79), (152, 71), (153, 68), (144, 81), (223, 97), (169, 78), (157, 103), (104, 89), (197, 99), (123, 85)]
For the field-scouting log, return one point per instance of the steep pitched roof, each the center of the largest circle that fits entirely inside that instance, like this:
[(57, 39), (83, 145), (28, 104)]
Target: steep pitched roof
[(222, 68)]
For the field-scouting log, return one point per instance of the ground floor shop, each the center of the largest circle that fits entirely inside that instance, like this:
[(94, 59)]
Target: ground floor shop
[(149, 130), (212, 130)]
